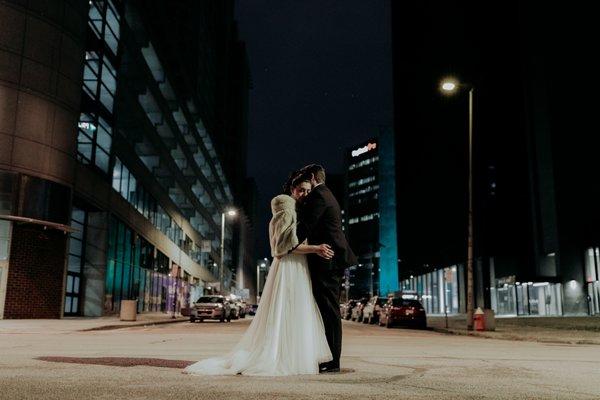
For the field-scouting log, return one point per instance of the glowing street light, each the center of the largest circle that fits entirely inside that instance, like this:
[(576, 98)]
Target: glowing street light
[(262, 265), (230, 213), (449, 86)]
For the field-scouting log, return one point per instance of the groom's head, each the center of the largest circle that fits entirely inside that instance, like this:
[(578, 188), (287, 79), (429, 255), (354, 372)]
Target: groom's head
[(316, 171)]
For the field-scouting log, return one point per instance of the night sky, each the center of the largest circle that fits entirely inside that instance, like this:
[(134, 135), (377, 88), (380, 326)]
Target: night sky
[(322, 81)]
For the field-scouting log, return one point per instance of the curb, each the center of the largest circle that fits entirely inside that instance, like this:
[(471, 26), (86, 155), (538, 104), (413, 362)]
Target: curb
[(145, 323), (514, 337)]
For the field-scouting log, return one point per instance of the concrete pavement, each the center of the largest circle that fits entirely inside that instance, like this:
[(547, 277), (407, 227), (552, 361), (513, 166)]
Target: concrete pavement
[(73, 324), (380, 364)]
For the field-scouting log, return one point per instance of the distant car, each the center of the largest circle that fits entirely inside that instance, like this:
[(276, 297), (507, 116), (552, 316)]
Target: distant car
[(243, 309), (238, 309), (357, 310), (234, 307), (211, 307), (346, 309), (252, 309), (373, 308), (408, 312)]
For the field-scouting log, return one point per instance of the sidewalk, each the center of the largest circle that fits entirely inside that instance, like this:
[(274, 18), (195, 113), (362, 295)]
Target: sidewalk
[(79, 324), (567, 330)]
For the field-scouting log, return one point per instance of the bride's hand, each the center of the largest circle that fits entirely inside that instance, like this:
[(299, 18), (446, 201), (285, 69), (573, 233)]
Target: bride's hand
[(325, 251)]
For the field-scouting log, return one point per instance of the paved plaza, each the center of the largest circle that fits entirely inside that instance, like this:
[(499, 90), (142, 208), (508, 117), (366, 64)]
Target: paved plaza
[(144, 362)]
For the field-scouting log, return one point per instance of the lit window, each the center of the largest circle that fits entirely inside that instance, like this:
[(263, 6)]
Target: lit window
[(105, 22)]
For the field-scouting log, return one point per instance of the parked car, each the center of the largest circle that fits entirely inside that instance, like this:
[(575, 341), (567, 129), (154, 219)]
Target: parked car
[(252, 309), (211, 307), (346, 309), (238, 309), (373, 308), (357, 310), (399, 311), (234, 309), (243, 309)]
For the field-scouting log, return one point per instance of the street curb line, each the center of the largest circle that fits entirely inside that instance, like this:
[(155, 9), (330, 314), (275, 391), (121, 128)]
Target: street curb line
[(113, 327), (514, 338)]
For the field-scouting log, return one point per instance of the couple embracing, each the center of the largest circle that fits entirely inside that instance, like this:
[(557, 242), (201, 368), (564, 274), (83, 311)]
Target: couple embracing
[(297, 329)]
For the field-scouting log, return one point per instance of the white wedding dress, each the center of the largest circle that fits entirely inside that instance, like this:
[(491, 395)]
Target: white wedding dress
[(286, 337)]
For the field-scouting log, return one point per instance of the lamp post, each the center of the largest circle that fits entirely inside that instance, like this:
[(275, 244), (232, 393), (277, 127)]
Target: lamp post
[(450, 86), (258, 267), (229, 213)]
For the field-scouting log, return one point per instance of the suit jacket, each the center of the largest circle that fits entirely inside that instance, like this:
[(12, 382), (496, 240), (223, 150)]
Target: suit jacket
[(320, 221)]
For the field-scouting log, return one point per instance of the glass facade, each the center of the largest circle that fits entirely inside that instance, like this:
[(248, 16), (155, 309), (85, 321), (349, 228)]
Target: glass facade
[(76, 256), (7, 194), (592, 277), (94, 137), (136, 270), (362, 222), (438, 290), (4, 239), (131, 189), (527, 298)]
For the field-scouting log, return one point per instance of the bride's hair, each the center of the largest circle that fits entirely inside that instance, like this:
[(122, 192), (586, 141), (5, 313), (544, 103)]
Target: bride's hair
[(295, 178)]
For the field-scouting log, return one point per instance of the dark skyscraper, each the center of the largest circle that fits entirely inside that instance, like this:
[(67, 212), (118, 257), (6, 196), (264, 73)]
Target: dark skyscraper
[(535, 222), (370, 216)]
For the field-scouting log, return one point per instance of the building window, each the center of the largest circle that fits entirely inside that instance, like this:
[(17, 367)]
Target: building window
[(131, 190), (94, 141), (363, 163), (75, 263), (105, 23), (367, 189), (591, 264), (363, 218), (112, 28), (100, 84), (91, 73), (133, 272), (362, 181)]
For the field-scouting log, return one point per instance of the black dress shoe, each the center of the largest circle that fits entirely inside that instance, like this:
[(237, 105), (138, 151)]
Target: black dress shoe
[(327, 367), (328, 370)]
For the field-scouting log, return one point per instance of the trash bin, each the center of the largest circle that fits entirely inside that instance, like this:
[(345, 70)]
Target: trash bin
[(128, 310)]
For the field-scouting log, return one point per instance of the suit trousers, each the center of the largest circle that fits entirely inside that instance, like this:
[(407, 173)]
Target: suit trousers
[(326, 284)]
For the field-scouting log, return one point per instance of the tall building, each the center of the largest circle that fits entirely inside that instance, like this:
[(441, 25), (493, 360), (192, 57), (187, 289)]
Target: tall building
[(121, 144), (370, 216), (535, 222)]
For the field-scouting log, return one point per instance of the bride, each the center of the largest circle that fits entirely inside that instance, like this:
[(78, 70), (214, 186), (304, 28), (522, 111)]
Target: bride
[(286, 337)]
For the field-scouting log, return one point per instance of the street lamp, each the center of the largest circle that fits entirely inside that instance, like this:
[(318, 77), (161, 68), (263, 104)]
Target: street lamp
[(230, 213), (258, 267), (451, 86)]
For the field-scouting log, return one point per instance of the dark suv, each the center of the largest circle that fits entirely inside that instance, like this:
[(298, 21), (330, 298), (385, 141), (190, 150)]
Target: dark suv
[(398, 311)]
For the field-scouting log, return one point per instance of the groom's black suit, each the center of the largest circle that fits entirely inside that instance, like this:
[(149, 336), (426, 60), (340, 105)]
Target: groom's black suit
[(320, 221)]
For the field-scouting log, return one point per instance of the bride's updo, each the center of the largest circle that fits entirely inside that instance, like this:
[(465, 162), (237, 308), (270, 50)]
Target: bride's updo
[(295, 179)]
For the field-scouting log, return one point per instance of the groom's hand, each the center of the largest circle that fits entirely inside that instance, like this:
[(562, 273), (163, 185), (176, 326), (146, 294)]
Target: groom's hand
[(325, 251)]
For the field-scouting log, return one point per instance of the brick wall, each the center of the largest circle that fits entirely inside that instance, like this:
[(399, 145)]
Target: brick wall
[(35, 274)]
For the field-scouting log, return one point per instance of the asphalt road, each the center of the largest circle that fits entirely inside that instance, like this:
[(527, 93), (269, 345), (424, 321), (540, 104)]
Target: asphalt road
[(378, 364)]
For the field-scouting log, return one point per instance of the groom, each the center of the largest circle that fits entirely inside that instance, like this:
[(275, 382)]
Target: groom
[(320, 221)]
